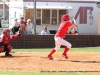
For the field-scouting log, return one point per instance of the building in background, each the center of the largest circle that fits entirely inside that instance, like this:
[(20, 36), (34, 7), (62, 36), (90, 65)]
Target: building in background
[(6, 11), (49, 13), (4, 14)]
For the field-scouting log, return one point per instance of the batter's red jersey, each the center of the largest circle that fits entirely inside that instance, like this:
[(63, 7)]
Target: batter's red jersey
[(63, 29), (5, 40)]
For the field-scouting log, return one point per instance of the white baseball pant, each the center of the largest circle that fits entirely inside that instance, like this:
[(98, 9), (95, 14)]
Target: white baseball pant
[(60, 41)]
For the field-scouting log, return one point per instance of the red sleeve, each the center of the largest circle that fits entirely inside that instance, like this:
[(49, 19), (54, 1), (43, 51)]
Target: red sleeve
[(69, 24), (24, 23), (15, 36)]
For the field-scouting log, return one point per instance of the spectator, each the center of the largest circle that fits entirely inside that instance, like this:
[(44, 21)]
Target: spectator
[(23, 26), (16, 26), (45, 31), (73, 31), (29, 27)]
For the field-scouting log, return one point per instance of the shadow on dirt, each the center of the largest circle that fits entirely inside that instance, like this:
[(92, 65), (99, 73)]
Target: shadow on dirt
[(85, 61), (13, 56), (81, 61)]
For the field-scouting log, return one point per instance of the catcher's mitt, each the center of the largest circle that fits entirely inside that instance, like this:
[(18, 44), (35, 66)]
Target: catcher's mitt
[(21, 29)]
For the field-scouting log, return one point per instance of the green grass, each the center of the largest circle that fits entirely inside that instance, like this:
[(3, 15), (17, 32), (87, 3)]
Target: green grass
[(85, 49), (42, 73)]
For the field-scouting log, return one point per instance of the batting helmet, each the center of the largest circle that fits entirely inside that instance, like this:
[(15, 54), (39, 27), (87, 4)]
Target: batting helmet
[(65, 17), (5, 31)]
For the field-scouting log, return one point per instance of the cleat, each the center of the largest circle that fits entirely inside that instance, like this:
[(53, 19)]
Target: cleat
[(50, 57), (65, 56), (8, 55)]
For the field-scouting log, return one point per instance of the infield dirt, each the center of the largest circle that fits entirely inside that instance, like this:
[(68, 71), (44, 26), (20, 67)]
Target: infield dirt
[(38, 61)]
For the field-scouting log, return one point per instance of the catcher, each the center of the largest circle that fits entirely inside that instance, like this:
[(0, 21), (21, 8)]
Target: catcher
[(5, 39)]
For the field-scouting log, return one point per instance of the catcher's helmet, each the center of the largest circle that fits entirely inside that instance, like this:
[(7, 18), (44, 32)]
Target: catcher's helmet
[(5, 31), (65, 17)]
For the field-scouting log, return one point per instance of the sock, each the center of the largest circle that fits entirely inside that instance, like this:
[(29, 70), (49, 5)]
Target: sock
[(65, 50), (52, 51)]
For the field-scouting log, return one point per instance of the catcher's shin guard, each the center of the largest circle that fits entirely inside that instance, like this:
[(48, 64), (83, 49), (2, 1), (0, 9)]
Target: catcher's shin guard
[(9, 48), (1, 49)]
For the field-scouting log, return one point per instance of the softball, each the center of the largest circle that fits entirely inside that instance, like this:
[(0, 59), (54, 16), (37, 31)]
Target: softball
[(56, 52)]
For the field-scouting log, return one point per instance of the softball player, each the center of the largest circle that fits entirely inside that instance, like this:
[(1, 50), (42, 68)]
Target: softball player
[(63, 29), (4, 42)]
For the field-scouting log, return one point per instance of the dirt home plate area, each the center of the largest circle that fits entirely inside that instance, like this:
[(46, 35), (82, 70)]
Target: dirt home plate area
[(37, 61)]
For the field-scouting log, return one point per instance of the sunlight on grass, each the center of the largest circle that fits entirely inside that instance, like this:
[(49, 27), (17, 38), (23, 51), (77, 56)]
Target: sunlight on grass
[(84, 49), (41, 73)]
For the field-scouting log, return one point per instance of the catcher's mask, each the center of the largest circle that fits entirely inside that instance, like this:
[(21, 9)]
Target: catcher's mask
[(6, 32), (65, 17)]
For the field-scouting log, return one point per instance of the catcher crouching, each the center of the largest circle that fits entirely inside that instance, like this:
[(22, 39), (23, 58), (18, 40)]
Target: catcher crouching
[(5, 39)]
